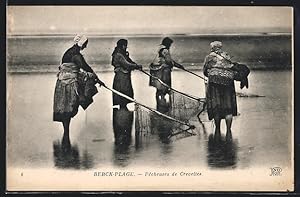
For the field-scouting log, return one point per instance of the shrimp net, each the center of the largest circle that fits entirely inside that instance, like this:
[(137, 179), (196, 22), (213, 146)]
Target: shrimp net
[(188, 115)]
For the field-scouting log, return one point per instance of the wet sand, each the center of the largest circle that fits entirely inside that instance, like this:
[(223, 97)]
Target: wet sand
[(261, 134)]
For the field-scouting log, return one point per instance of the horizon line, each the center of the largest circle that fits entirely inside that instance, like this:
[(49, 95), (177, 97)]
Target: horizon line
[(143, 34)]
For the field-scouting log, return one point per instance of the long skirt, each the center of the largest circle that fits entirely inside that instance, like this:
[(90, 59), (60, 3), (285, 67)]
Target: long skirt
[(66, 100), (122, 83), (164, 74), (71, 93), (221, 100)]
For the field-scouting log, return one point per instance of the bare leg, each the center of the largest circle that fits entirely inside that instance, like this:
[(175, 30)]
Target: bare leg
[(161, 104), (66, 124), (66, 137), (217, 123), (158, 97), (228, 119), (218, 128)]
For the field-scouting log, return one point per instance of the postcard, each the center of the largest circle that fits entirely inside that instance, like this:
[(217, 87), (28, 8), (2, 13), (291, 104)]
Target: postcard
[(150, 98)]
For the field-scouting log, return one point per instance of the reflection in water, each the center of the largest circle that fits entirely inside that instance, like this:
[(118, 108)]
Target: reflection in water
[(122, 125), (143, 140), (222, 151), (164, 129), (121, 155), (151, 130), (87, 160), (67, 156), (161, 126)]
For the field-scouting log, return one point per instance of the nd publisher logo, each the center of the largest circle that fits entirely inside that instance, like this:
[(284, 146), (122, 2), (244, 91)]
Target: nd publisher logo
[(276, 171)]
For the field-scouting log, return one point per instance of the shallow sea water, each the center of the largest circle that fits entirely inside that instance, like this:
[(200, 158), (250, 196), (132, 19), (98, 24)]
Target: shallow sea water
[(261, 134)]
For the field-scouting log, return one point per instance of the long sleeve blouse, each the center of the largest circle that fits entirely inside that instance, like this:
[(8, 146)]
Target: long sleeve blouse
[(73, 55), (123, 64)]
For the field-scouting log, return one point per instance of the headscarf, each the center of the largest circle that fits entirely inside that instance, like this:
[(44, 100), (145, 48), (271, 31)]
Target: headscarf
[(122, 42), (167, 42), (121, 50), (215, 45), (80, 39)]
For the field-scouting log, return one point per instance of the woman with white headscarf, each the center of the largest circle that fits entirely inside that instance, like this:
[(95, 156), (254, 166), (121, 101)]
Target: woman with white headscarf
[(75, 84), (220, 92)]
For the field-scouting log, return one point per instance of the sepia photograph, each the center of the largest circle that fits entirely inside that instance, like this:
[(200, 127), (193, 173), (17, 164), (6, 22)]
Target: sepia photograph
[(150, 98)]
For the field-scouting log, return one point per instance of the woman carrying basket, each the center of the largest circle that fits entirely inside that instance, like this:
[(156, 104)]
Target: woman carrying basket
[(162, 67), (220, 92)]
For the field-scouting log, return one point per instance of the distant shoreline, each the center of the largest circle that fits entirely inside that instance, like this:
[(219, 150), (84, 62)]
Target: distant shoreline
[(152, 35), (24, 71), (258, 51)]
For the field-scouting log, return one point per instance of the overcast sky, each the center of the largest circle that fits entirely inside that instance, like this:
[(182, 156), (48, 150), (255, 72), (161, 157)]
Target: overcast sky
[(147, 19)]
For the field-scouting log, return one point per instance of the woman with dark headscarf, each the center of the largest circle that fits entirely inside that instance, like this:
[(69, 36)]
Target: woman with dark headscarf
[(75, 84), (123, 66), (220, 92), (163, 65)]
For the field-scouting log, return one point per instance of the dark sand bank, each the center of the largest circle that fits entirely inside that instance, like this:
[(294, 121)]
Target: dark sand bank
[(43, 53)]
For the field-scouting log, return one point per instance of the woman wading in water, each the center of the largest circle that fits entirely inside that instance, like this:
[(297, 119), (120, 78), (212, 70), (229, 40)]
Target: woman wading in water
[(123, 66), (75, 85), (220, 92), (163, 64)]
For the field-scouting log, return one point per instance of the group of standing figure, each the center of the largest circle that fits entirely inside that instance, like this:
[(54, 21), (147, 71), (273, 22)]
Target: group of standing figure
[(76, 81)]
